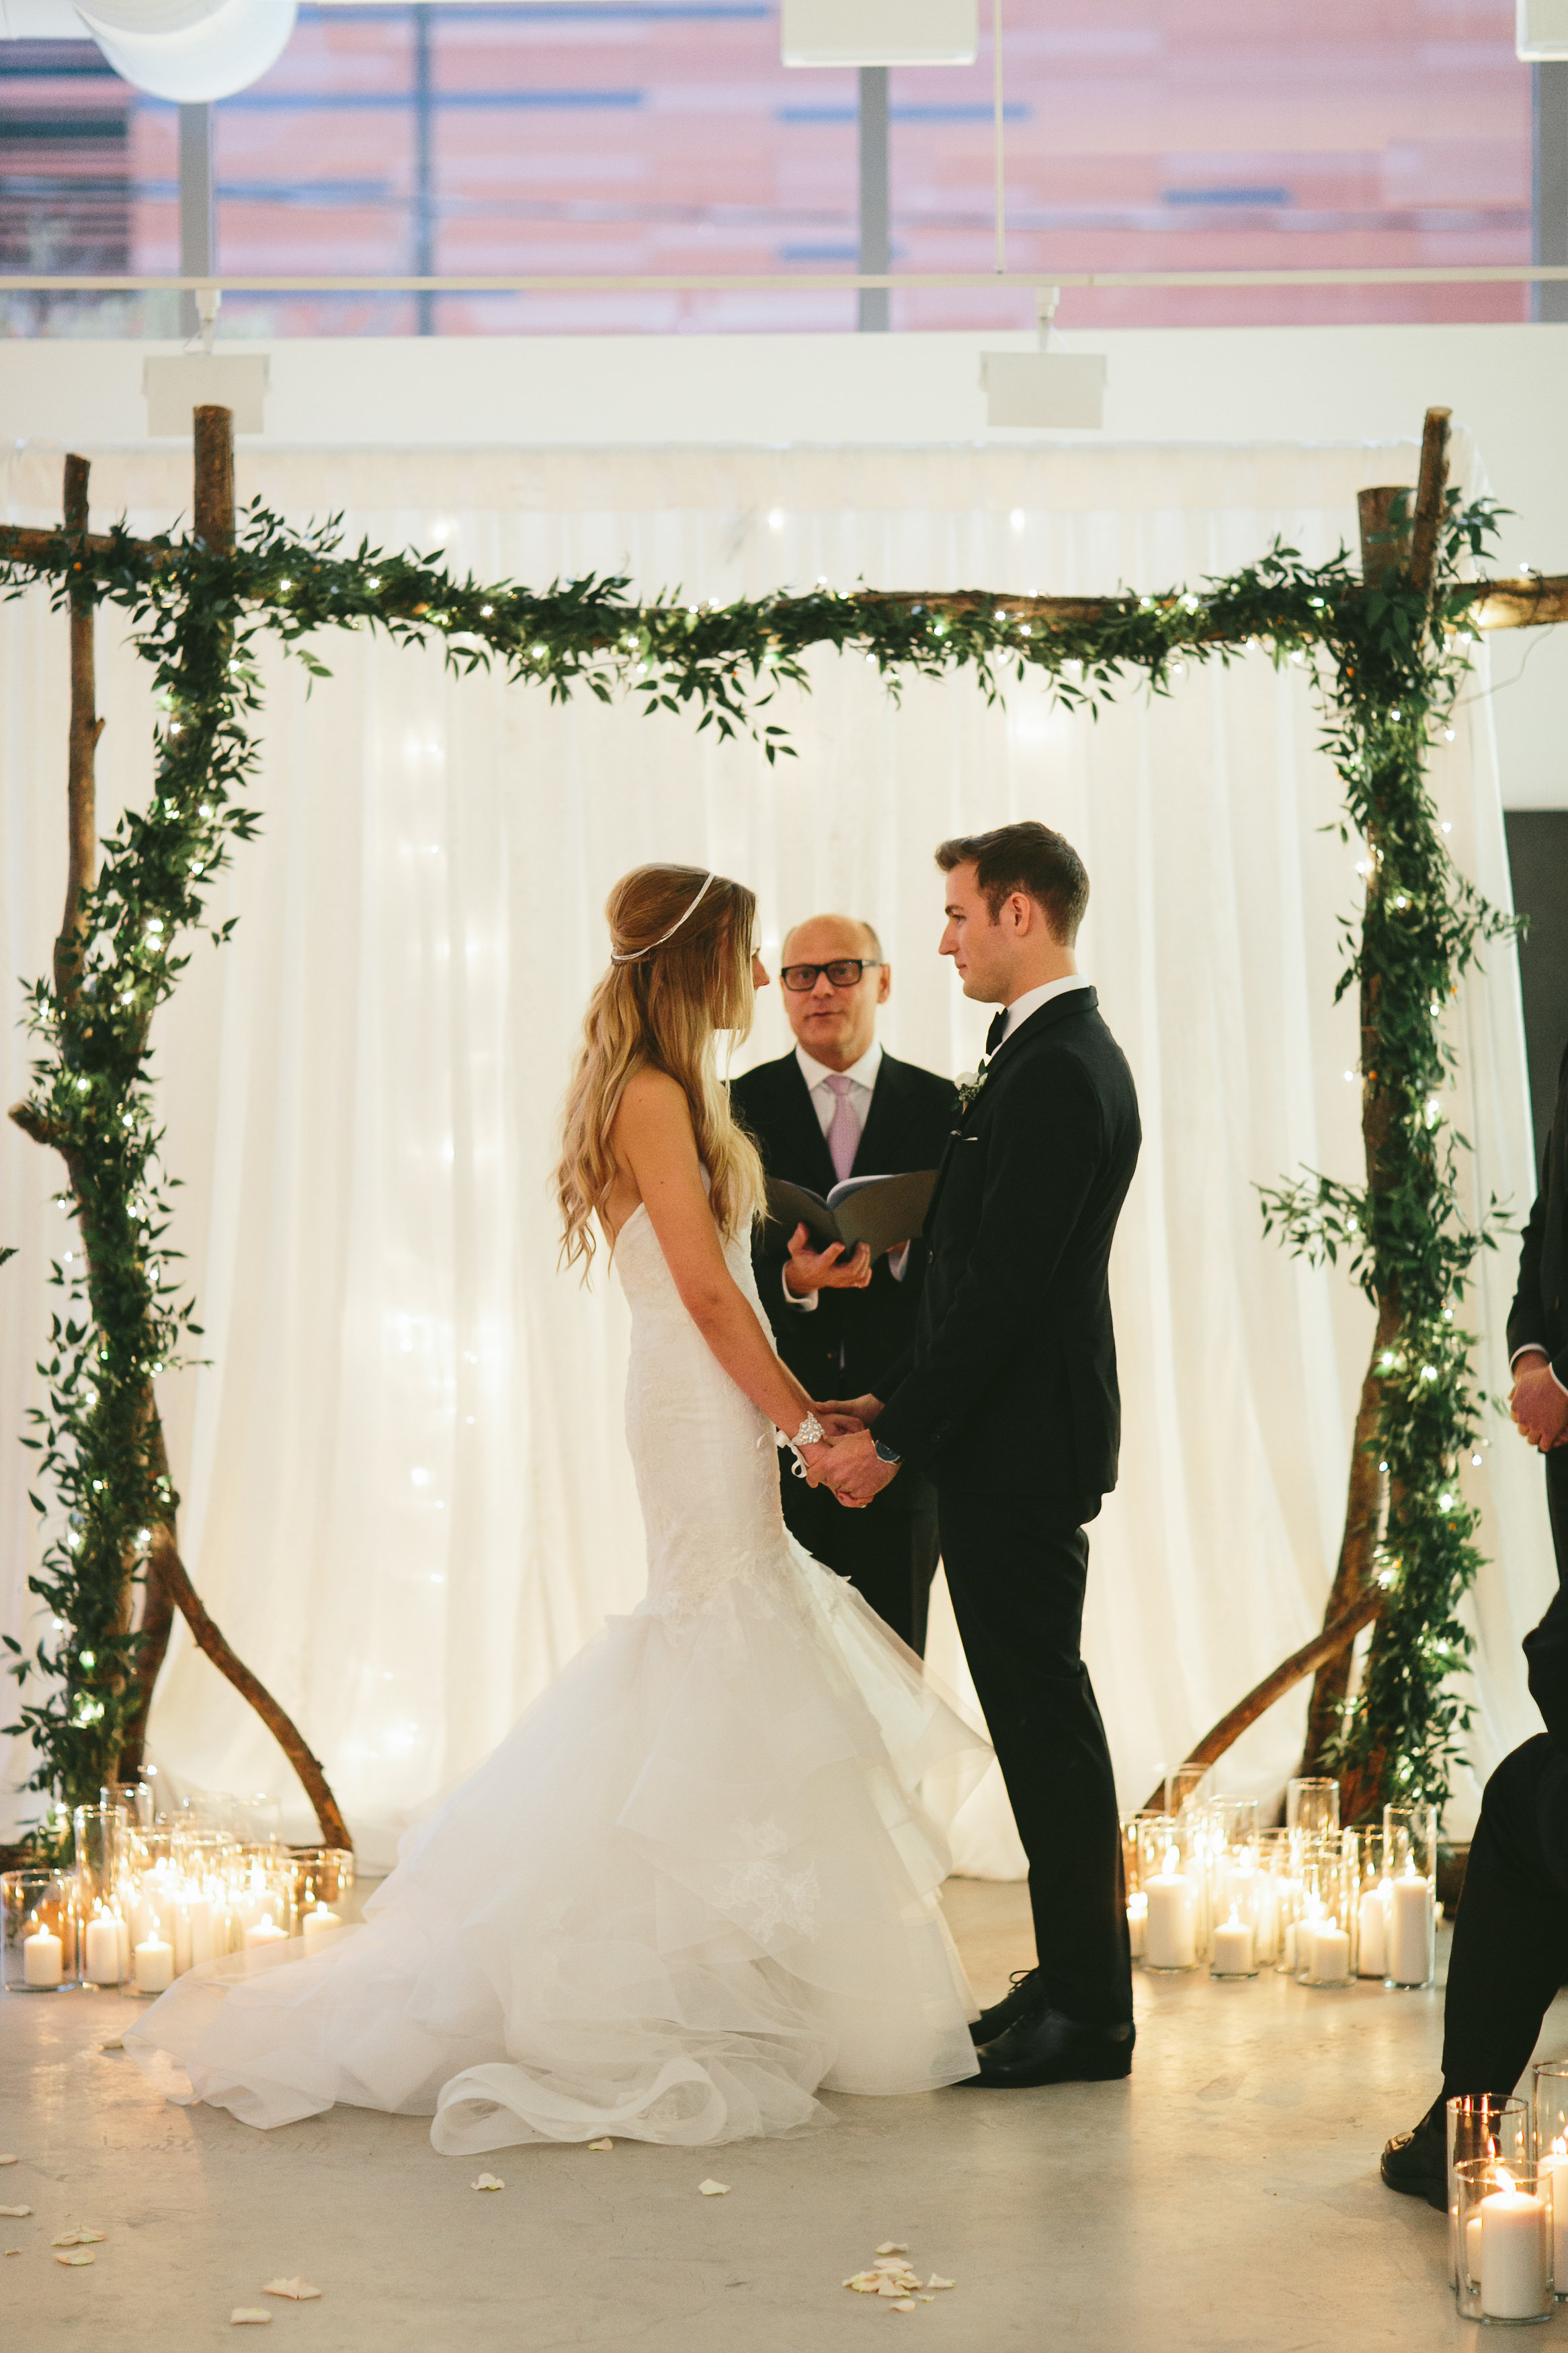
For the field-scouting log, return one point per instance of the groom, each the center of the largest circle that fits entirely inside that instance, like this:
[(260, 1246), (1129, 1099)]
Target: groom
[(1008, 1400)]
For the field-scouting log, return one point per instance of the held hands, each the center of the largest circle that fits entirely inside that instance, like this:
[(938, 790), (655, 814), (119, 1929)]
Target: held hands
[(849, 1463), (1538, 1404), (827, 1270)]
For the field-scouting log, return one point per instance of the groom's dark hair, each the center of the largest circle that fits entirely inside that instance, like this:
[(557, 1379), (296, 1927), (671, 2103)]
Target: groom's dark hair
[(1027, 857)]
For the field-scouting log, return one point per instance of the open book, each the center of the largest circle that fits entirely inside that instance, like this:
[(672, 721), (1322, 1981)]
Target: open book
[(883, 1211)]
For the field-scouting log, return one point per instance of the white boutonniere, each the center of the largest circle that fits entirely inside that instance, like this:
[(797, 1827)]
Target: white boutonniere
[(969, 1084)]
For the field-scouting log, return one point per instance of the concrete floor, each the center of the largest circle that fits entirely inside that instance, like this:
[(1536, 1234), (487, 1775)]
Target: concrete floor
[(1225, 2201)]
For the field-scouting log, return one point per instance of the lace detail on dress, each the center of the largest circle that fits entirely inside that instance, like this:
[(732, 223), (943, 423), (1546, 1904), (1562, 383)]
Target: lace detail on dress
[(762, 1896)]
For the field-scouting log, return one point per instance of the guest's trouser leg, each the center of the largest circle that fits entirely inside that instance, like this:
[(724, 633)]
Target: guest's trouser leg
[(1511, 1939), (1557, 1504), (888, 1554), (1016, 1571)]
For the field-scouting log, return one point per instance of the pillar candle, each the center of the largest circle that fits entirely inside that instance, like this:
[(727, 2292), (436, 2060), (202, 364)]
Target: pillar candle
[(1268, 1943), (1409, 1929), (1328, 1953), (1233, 1950), (42, 1957), (321, 1925), (103, 1948), (1169, 1932), (264, 1931), (181, 1927), (154, 1963), (1373, 1921), (203, 1934), (1514, 2255)]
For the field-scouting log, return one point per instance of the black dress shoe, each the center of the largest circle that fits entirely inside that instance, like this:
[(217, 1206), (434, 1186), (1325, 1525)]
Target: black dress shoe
[(1028, 1993), (1416, 2163), (1045, 2046)]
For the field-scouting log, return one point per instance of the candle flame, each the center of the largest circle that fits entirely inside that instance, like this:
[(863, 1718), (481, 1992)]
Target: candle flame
[(1168, 1868), (1560, 2146), (1504, 2179), (1235, 1919)]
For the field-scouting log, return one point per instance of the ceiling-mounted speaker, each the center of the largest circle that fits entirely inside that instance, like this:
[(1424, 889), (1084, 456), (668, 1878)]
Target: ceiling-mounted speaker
[(1044, 388), (233, 380), (878, 32), (1542, 31)]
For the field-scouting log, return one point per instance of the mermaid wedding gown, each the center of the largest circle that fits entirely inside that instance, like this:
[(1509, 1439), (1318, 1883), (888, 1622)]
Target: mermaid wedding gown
[(693, 1886)]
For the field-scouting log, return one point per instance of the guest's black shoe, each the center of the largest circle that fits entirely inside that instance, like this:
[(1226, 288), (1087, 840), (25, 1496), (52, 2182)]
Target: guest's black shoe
[(1416, 2163), (1045, 2046), (1028, 1994)]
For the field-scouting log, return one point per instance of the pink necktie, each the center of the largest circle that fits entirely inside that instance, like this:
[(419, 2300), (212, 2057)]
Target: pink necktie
[(844, 1128)]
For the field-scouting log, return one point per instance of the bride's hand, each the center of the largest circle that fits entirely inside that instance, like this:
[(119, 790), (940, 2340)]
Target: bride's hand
[(841, 1415), (837, 1424)]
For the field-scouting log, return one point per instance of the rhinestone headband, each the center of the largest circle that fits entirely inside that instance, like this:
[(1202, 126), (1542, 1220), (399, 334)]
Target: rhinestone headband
[(635, 955)]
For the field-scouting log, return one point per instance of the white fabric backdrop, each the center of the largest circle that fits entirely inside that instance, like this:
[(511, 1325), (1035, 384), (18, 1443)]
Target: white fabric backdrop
[(406, 1498)]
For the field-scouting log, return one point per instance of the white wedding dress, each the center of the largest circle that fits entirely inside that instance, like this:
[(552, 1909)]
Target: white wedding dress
[(694, 1885)]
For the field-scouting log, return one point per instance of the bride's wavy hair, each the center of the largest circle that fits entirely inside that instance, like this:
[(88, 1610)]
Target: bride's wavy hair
[(659, 1006)]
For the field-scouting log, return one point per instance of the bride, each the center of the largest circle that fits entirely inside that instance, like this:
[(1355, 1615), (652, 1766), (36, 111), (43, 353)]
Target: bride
[(695, 1883)]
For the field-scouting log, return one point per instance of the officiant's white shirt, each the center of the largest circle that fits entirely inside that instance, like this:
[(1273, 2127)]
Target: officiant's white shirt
[(862, 1078), (1032, 999)]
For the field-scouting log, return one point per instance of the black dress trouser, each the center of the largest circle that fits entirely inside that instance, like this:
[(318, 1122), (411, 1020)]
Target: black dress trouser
[(1511, 1939), (1557, 1504), (888, 1551), (1016, 1569)]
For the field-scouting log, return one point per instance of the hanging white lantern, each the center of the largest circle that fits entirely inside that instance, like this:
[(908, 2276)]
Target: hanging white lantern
[(191, 51)]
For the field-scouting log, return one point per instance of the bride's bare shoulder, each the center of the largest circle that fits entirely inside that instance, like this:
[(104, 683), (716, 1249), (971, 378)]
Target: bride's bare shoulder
[(653, 1109)]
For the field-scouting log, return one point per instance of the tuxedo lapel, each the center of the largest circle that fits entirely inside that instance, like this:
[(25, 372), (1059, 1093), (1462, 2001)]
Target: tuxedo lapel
[(1059, 1008)]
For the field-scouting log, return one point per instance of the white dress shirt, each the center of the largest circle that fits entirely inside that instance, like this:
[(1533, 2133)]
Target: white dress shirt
[(862, 1078), (1032, 999)]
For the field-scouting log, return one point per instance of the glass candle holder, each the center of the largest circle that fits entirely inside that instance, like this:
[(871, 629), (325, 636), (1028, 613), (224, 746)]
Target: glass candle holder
[(1311, 1806), (1173, 1886), (1185, 1788), (1504, 2245), (1482, 2126), (1132, 1873), (1325, 1929), (1272, 1846), (99, 1842), (1551, 2121), (39, 1951), (1410, 1859), (1372, 1906), (322, 1877)]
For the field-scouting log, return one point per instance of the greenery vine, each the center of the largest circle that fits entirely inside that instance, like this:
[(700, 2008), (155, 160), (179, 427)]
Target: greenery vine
[(1387, 662)]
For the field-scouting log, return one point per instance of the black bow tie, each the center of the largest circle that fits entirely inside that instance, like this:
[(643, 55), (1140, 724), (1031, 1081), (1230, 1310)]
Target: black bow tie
[(994, 1036)]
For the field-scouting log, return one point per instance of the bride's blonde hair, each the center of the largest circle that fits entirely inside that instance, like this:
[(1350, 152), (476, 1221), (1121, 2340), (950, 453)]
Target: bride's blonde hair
[(657, 1007)]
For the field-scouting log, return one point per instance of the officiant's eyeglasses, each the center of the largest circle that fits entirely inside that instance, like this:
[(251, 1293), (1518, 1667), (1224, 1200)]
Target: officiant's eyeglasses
[(844, 972)]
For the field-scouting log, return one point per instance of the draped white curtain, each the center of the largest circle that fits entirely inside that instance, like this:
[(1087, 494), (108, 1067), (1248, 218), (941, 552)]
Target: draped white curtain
[(406, 1499)]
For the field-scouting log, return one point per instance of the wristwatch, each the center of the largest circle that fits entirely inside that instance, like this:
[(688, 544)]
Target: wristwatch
[(884, 1453)]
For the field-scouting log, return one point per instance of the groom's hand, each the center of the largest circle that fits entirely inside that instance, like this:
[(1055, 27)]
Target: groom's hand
[(854, 1470), (859, 1413)]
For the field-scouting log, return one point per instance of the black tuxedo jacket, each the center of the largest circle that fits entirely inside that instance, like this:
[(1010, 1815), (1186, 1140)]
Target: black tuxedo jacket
[(847, 1342), (1539, 1316), (1011, 1382)]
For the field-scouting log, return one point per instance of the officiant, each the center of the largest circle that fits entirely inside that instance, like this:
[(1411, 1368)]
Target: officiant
[(839, 1106)]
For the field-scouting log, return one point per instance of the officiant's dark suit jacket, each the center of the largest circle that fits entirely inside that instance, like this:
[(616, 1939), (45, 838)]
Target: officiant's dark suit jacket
[(1010, 1384), (888, 1551), (853, 1335), (1539, 1316)]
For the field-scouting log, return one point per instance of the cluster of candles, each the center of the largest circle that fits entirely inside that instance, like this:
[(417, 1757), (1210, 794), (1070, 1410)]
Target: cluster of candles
[(1312, 1901), (1508, 2201), (149, 1898)]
